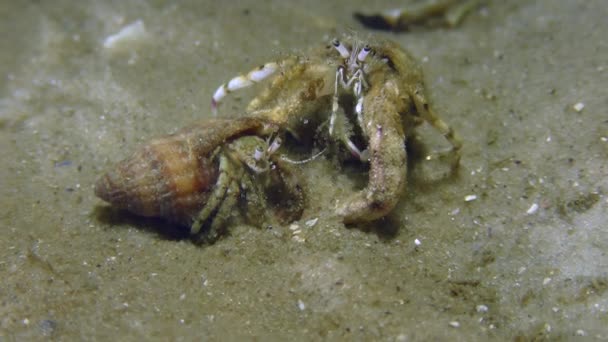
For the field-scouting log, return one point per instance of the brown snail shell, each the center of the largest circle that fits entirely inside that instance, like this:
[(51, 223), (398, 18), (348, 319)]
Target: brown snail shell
[(173, 176)]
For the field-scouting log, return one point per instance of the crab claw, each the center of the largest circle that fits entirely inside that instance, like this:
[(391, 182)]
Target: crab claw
[(387, 158)]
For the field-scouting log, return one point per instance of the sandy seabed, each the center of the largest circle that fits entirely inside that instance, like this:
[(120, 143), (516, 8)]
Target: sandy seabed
[(523, 82)]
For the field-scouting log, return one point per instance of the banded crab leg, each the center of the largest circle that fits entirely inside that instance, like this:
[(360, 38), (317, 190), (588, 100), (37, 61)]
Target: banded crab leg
[(242, 81)]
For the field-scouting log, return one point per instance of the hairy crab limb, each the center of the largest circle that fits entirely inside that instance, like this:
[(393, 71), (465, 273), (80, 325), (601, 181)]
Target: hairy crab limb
[(393, 106), (296, 84), (442, 127), (299, 89), (413, 91), (297, 94), (387, 159), (430, 12)]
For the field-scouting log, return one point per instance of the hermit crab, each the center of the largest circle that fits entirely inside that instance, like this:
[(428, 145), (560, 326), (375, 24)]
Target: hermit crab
[(375, 87), (207, 174)]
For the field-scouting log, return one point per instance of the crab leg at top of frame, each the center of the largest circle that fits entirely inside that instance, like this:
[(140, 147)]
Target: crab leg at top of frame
[(443, 12), (242, 81)]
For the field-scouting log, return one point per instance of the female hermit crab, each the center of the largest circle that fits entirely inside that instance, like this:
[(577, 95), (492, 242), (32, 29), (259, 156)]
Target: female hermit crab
[(207, 174), (376, 86)]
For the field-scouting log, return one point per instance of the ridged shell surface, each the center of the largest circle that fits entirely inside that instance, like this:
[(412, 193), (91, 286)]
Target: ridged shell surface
[(171, 177)]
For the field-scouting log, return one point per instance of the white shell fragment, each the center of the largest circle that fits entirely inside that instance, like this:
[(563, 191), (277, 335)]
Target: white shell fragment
[(533, 208), (469, 198), (301, 305), (312, 222), (578, 107), (128, 34), (455, 324)]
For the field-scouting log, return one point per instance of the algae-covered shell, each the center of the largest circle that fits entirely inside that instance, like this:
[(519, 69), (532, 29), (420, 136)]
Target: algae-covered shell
[(172, 177)]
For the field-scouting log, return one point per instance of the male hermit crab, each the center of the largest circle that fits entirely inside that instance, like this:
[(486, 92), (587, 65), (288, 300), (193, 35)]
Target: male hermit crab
[(380, 91)]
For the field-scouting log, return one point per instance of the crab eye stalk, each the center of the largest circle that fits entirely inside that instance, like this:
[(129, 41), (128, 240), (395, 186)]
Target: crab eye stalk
[(258, 154), (363, 53), (342, 49)]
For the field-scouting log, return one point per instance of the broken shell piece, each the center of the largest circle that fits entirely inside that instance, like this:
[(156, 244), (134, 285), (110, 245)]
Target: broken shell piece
[(579, 107), (470, 198), (533, 208), (312, 222), (133, 32)]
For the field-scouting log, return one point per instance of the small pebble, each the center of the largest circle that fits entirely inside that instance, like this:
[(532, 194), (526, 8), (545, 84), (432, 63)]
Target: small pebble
[(455, 324), (481, 308), (579, 107), (298, 238), (417, 242), (48, 327), (301, 305)]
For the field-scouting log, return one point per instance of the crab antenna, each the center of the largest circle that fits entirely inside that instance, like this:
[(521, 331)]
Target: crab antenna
[(354, 150), (342, 50), (242, 81), (309, 159), (363, 53)]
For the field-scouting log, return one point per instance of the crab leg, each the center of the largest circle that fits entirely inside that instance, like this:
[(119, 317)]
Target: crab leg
[(223, 213), (357, 79), (447, 131), (242, 81), (221, 186), (447, 12), (335, 101)]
